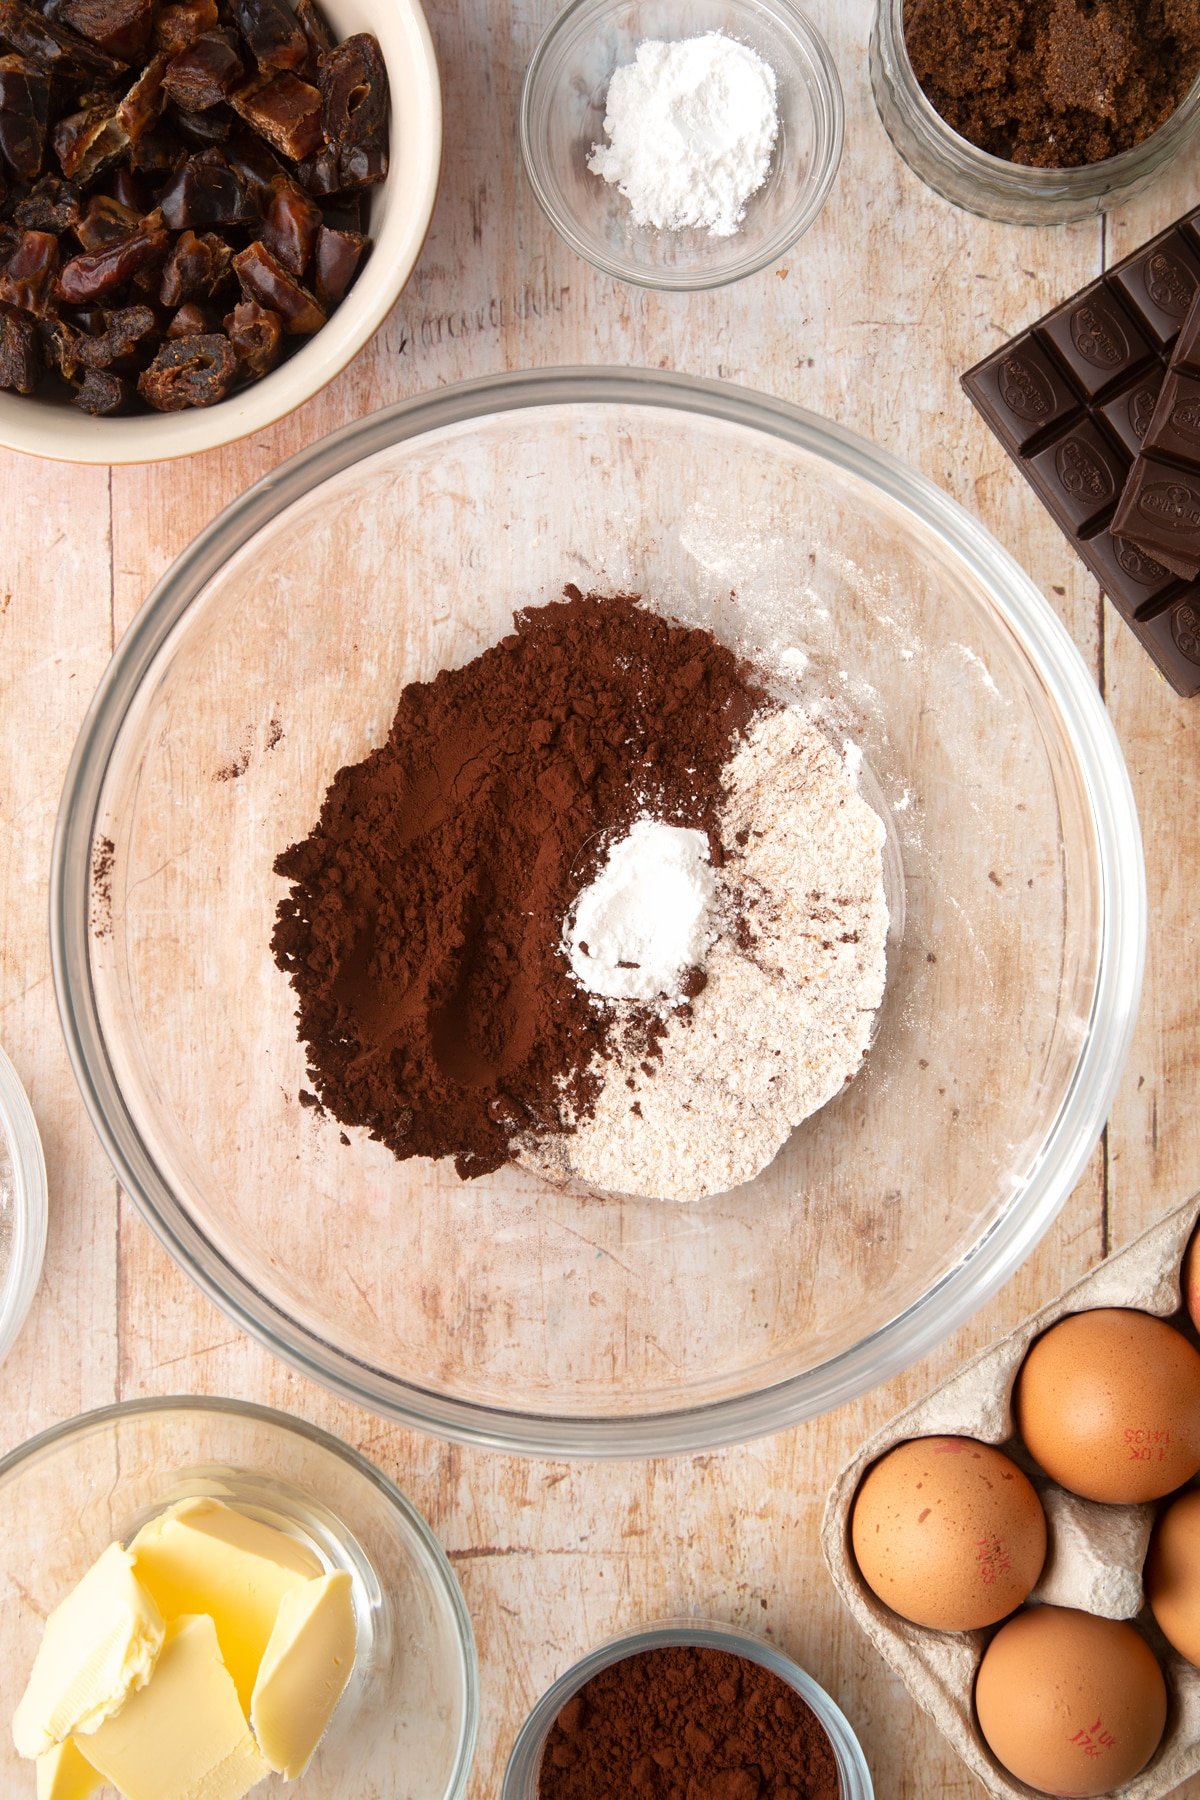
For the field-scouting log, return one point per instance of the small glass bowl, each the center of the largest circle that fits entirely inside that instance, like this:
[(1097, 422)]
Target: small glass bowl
[(22, 1206), (405, 1727), (981, 183), (521, 1775), (562, 116)]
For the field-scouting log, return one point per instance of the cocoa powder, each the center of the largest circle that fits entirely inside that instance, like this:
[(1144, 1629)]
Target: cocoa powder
[(1054, 84), (685, 1723), (422, 931)]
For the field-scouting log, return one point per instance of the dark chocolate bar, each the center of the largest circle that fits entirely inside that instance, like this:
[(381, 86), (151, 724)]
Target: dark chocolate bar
[(1160, 507), (1071, 400)]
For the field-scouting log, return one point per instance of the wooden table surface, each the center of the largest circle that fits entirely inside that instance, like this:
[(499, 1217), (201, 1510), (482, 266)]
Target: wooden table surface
[(869, 320)]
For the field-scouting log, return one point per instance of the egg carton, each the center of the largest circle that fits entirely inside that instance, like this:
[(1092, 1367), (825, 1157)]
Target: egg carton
[(1095, 1556)]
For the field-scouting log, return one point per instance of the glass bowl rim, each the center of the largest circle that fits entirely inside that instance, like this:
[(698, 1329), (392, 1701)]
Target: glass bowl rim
[(704, 1634), (824, 89), (1106, 181), (30, 1209), (292, 1423), (961, 1290)]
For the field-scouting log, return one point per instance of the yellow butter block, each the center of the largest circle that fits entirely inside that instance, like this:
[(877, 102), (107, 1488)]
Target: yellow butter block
[(64, 1773), (304, 1672), (184, 1736), (99, 1646), (202, 1556)]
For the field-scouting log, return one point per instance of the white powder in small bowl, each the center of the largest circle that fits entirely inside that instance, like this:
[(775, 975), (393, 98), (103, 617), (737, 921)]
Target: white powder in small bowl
[(691, 127)]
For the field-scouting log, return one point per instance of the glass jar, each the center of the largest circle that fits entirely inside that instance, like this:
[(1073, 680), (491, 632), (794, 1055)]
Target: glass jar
[(989, 185)]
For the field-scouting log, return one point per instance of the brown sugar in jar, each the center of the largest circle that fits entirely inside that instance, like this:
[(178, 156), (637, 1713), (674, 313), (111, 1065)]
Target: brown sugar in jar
[(1054, 84), (685, 1722)]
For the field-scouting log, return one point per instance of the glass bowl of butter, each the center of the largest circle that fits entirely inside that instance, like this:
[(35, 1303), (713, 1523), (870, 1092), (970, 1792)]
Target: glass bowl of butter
[(217, 1599)]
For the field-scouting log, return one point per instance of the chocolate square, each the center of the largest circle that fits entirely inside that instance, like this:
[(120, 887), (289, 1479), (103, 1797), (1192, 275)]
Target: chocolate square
[(1175, 430), (1186, 355), (1130, 410), (1160, 284), (1172, 637), (1129, 575), (1080, 476), (1096, 340), (1160, 510), (1023, 391)]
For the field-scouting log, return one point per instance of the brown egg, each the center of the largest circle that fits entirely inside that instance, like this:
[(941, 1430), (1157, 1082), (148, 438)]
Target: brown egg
[(1173, 1575), (948, 1532), (1069, 1703), (1191, 1280), (1108, 1402)]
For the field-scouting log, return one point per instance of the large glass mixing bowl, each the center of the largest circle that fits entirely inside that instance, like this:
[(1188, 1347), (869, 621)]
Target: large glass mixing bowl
[(502, 1311)]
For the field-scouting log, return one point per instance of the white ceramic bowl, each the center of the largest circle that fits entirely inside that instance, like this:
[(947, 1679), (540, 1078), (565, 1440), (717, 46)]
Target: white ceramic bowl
[(400, 212)]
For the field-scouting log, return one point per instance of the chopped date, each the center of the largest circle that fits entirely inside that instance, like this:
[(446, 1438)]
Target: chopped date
[(317, 32), (189, 321), (190, 371), (27, 276), (60, 346), (202, 75), (284, 110), (130, 190), (207, 191), (319, 38), (143, 104), (157, 152), (55, 48), (267, 281), (215, 125), (271, 30), (127, 335), (354, 94), (256, 334), (51, 205), (122, 27), (88, 142), (341, 169), (338, 254), (258, 166), (20, 352), (175, 27), (24, 115), (104, 394), (346, 213), (290, 225), (106, 221), (97, 273), (195, 269)]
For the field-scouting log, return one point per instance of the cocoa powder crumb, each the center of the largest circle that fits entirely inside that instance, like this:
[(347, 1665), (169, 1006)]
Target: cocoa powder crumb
[(422, 929), (1054, 83), (104, 853), (685, 1723)]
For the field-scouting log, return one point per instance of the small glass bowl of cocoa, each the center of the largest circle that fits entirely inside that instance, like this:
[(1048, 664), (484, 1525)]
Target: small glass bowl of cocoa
[(1040, 131), (686, 1701)]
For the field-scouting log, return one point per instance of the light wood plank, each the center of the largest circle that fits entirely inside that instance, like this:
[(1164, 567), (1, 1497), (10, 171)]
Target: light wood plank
[(555, 1558)]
